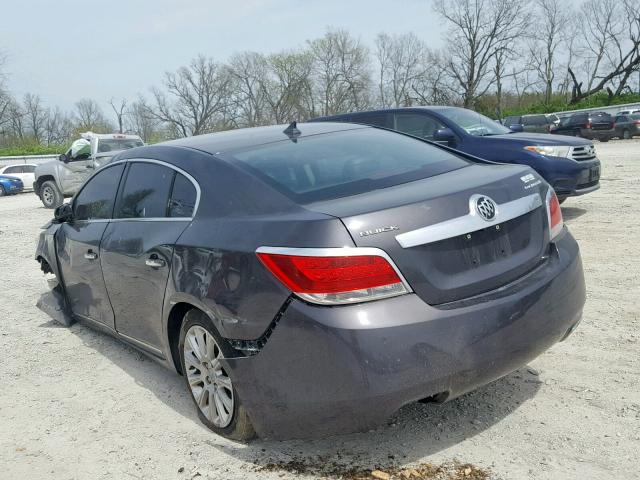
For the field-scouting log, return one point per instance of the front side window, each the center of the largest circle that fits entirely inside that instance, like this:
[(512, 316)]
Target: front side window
[(95, 201), (344, 163), (28, 168), (419, 125), (146, 191), (473, 123)]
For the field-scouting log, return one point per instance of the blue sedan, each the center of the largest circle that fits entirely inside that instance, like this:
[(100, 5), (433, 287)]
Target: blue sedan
[(10, 185)]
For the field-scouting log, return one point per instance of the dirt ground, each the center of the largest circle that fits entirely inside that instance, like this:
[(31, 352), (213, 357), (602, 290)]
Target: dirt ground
[(76, 404)]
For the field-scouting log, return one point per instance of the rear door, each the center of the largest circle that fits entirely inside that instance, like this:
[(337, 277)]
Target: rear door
[(155, 204), (78, 247)]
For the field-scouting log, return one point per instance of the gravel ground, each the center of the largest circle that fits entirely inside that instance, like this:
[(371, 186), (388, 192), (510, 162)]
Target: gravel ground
[(76, 404)]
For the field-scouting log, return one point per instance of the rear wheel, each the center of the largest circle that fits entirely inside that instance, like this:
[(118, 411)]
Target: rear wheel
[(626, 134), (201, 351), (50, 195), (2, 192)]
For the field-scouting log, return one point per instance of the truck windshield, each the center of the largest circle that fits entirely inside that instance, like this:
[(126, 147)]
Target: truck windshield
[(115, 144), (473, 123)]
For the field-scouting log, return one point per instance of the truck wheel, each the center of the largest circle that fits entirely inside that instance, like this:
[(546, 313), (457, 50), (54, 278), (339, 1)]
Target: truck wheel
[(50, 195)]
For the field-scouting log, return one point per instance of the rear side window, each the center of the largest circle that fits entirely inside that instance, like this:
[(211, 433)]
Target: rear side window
[(183, 197), (16, 169), (146, 191), (95, 200), (344, 163), (512, 121), (423, 126)]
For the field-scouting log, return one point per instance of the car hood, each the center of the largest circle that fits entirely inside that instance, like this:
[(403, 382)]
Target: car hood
[(540, 139), (9, 178)]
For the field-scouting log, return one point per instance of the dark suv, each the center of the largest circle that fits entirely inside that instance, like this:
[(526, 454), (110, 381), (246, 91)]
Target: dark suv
[(570, 165), (599, 125), (534, 123)]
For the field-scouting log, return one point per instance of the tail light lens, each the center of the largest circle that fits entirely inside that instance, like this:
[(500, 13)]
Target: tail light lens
[(588, 125), (636, 122), (334, 276), (554, 215)]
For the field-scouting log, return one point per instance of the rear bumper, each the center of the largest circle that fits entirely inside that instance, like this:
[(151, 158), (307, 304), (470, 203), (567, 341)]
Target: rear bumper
[(598, 134), (328, 370)]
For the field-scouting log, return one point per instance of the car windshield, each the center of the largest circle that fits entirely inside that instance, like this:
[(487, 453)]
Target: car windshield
[(474, 123), (344, 163), (115, 144)]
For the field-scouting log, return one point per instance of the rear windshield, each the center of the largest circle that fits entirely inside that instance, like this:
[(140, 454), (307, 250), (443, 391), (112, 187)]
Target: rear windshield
[(115, 144), (340, 164)]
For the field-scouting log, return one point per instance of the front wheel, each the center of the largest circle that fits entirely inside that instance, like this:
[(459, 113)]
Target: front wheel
[(211, 387), (51, 195)]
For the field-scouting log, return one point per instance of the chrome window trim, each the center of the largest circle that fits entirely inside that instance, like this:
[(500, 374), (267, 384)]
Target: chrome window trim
[(151, 219), (470, 222), (336, 252)]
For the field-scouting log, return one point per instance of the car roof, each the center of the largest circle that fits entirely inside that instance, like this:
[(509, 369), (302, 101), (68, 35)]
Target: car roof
[(249, 137)]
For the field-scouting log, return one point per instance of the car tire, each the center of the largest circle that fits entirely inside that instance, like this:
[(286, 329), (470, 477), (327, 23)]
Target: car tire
[(561, 200), (2, 192), (51, 195), (605, 139), (207, 379), (626, 134)]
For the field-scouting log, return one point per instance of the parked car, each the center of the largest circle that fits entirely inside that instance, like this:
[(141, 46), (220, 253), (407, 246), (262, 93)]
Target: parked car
[(23, 171), (628, 112), (587, 125), (61, 178), (314, 280), (569, 165), (533, 123), (627, 126), (10, 185)]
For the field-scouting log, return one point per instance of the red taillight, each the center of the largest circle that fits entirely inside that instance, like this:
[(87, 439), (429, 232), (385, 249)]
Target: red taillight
[(636, 122), (588, 125), (334, 276), (554, 215)]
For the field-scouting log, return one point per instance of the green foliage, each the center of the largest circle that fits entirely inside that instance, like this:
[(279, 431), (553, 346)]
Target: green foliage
[(32, 149), (559, 104)]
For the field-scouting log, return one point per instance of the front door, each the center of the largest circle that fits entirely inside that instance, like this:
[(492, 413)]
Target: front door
[(153, 209), (73, 173), (78, 247)]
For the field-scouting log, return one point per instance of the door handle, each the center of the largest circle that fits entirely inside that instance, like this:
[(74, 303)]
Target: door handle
[(90, 255), (155, 262)]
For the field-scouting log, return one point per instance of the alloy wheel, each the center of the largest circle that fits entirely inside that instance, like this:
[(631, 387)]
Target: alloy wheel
[(210, 385), (48, 195)]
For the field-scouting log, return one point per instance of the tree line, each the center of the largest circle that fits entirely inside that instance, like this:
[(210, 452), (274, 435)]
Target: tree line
[(497, 56)]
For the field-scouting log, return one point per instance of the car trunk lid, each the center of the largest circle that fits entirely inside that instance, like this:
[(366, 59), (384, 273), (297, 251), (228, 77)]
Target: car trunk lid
[(433, 232)]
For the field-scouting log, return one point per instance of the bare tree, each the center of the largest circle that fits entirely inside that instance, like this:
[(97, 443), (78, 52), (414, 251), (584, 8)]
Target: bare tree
[(551, 19), (119, 109), (402, 63), (340, 72), (478, 30), (196, 101), (58, 127), (141, 121), (288, 92), (611, 47), (35, 116), (89, 116)]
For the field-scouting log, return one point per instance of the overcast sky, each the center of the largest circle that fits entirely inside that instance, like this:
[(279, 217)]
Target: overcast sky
[(64, 50)]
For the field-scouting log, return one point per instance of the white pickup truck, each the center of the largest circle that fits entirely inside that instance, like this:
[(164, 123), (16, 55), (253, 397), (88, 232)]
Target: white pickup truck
[(62, 178)]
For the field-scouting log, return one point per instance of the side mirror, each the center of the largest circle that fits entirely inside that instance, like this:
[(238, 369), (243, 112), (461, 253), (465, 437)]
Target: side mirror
[(516, 128), (444, 136), (63, 158), (63, 213)]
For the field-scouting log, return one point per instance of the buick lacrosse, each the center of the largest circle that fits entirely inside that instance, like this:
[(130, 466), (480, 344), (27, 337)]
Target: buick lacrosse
[(312, 280)]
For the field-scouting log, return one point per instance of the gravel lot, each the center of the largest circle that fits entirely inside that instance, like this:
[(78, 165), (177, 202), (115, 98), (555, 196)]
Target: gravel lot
[(76, 404)]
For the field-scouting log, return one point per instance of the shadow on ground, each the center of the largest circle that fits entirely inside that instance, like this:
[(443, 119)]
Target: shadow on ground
[(416, 431), (571, 213)]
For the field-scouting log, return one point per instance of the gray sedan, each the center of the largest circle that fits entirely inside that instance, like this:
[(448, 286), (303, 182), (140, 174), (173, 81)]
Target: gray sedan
[(313, 279)]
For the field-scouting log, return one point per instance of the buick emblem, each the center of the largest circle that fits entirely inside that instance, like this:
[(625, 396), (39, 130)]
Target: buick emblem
[(486, 208)]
